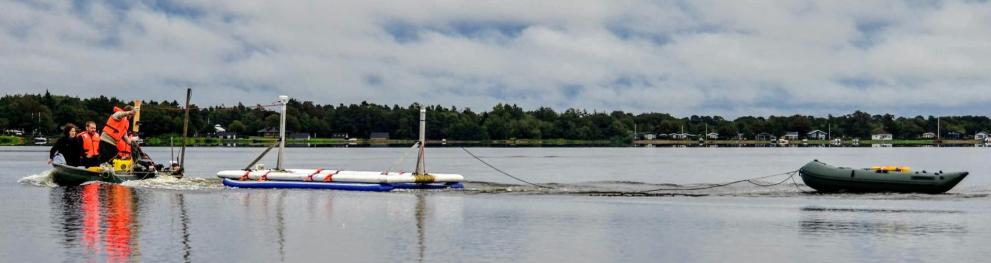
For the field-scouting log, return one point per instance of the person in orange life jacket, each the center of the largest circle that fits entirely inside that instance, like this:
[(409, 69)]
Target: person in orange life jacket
[(124, 149), (114, 133), (91, 144)]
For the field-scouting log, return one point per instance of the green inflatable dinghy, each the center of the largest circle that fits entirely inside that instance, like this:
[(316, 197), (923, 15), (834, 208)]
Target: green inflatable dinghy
[(70, 176), (828, 178)]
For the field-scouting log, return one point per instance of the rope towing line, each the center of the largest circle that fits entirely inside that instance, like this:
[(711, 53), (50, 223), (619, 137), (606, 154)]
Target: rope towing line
[(501, 171), (402, 159), (170, 108), (753, 181)]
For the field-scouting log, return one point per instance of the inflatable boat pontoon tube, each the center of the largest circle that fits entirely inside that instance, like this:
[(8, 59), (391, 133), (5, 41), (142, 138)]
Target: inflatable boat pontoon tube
[(318, 175), (309, 185)]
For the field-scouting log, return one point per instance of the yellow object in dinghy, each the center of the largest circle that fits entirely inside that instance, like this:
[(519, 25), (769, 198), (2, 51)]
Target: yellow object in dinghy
[(892, 168), (123, 165)]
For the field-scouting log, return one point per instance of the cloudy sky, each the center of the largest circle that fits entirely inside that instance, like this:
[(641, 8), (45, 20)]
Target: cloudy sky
[(730, 57)]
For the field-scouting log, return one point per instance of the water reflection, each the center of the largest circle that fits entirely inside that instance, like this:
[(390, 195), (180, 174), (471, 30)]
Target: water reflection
[(119, 218), (184, 228), (279, 215), (280, 224), (421, 218), (362, 226), (878, 210), (97, 222), (818, 221)]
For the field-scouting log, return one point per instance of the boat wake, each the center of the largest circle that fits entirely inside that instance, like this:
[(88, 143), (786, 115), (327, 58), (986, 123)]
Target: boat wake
[(595, 188), (643, 189), (627, 188), (172, 183), (43, 179)]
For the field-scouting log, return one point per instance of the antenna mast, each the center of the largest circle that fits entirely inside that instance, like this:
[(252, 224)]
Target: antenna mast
[(283, 100), (420, 166)]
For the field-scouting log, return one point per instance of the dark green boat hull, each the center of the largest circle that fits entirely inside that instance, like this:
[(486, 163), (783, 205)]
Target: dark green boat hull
[(71, 176), (828, 178)]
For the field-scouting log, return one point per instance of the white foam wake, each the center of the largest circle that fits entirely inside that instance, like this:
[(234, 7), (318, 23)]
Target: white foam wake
[(172, 183), (43, 179)]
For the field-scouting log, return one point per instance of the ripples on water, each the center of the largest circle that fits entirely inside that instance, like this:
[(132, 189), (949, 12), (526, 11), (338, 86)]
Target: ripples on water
[(790, 188), (866, 221), (593, 208)]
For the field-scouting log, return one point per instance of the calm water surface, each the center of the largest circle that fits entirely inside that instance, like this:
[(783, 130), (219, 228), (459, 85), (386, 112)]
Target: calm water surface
[(497, 219)]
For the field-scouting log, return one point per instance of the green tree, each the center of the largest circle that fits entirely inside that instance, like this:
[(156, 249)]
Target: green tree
[(236, 126)]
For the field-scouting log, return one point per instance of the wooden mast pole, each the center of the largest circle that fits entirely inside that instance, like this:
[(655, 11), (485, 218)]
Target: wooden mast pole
[(185, 131)]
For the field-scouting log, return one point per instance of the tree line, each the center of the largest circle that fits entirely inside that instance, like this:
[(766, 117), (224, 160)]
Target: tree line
[(45, 113)]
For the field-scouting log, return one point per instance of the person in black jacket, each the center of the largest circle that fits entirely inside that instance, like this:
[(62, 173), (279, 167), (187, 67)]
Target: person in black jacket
[(70, 146)]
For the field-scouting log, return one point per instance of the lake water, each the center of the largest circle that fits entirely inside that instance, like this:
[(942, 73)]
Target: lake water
[(498, 219)]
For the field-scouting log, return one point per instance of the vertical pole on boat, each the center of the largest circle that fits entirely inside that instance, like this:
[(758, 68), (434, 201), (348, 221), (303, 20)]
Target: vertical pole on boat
[(282, 131), (185, 131), (420, 166)]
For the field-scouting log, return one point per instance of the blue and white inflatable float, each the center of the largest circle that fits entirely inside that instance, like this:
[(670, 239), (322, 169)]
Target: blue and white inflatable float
[(259, 177)]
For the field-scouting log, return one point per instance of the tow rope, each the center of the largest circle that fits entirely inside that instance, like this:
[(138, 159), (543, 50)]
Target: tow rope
[(330, 176), (309, 178), (501, 171), (264, 177), (753, 181)]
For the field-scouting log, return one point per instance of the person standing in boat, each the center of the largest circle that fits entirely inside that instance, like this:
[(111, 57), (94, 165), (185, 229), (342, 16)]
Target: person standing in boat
[(91, 144), (69, 146), (114, 133), (124, 149)]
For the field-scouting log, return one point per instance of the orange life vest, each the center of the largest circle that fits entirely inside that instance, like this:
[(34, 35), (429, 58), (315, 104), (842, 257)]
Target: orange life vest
[(123, 150), (91, 143), (116, 128)]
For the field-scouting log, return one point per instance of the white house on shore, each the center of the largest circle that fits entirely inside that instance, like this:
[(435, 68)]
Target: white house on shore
[(682, 136), (882, 136), (928, 135), (981, 136), (816, 135), (765, 137), (790, 136)]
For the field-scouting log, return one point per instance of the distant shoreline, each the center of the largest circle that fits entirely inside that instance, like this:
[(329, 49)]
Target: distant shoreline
[(809, 142), (265, 141)]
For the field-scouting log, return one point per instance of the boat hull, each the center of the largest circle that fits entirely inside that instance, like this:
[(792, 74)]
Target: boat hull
[(71, 176), (828, 178)]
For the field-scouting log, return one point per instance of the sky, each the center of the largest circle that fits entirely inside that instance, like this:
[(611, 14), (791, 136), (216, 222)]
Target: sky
[(731, 58)]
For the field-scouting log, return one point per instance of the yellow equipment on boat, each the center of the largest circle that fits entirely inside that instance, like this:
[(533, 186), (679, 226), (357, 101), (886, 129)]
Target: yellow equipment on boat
[(122, 165), (891, 168)]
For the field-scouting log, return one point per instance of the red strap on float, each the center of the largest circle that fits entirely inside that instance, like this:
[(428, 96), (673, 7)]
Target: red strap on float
[(245, 176), (264, 176), (309, 178), (329, 176)]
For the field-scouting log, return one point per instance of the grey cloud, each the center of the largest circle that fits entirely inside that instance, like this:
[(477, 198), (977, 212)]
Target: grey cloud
[(684, 57)]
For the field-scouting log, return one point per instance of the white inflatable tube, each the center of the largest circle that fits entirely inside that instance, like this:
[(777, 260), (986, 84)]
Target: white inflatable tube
[(341, 176)]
